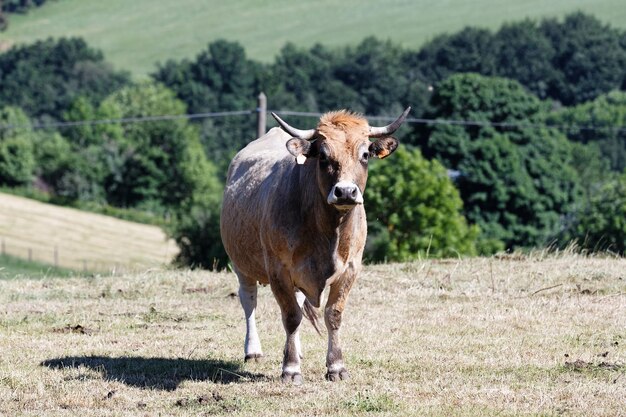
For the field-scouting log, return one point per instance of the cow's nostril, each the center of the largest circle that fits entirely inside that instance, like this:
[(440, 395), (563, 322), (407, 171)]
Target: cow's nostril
[(353, 192), (338, 192)]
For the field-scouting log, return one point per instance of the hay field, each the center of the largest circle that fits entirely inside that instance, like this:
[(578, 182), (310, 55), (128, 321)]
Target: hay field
[(512, 336), (83, 240)]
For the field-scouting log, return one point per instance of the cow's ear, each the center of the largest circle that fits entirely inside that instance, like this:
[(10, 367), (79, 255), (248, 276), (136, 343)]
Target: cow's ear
[(383, 147), (297, 147)]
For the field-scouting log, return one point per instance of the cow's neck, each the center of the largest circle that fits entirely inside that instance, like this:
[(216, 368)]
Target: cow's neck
[(337, 226)]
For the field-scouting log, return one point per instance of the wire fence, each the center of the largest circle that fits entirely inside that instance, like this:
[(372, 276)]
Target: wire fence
[(65, 258), (49, 256), (261, 111)]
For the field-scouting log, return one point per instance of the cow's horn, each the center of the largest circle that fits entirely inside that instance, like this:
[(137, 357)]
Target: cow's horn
[(296, 133), (376, 132)]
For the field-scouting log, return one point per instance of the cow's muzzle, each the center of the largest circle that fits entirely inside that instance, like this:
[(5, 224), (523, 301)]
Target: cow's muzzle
[(344, 195)]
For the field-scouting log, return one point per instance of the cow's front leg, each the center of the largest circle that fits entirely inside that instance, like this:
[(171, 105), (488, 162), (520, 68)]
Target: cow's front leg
[(285, 294), (337, 297)]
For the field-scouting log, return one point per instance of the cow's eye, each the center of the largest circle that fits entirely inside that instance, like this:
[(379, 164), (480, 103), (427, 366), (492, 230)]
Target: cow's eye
[(365, 157), (323, 158)]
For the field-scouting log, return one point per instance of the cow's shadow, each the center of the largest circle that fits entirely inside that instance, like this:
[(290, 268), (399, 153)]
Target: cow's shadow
[(157, 373)]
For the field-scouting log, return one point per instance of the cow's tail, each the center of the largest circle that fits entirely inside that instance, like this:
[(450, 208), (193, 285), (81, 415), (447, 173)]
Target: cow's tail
[(312, 314)]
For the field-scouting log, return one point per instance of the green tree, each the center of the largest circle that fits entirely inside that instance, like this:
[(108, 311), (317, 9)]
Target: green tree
[(221, 78), (601, 225), (375, 71), (53, 156), (572, 61), (516, 183), (92, 166), (149, 162), (45, 78), (17, 162), (196, 223), (414, 210), (600, 122), (525, 54), (469, 50), (588, 55)]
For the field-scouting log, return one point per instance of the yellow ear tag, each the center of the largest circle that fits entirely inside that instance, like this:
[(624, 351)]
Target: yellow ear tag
[(300, 159)]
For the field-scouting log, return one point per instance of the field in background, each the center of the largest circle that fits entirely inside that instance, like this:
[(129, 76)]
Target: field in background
[(544, 335), (15, 268), (136, 34), (82, 240)]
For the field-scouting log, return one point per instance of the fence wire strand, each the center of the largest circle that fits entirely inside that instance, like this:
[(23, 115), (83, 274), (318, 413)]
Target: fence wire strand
[(192, 116)]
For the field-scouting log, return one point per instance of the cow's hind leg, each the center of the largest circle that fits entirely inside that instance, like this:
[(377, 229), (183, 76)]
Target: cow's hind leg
[(248, 297), (300, 297), (285, 294)]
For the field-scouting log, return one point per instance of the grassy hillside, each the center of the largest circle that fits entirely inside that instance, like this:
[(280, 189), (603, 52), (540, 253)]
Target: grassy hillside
[(82, 240), (479, 337), (12, 267), (136, 34)]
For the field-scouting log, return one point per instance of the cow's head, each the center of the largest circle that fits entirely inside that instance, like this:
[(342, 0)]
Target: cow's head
[(340, 147)]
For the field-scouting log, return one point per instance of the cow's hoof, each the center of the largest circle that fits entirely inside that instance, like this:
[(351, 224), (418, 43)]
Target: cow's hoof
[(339, 375), (253, 357), (294, 378)]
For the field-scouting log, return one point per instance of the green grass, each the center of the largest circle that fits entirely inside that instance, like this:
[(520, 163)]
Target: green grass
[(12, 267), (136, 34)]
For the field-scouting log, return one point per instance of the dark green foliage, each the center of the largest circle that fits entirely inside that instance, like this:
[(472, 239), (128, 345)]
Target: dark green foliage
[(87, 167), (46, 77), (306, 81), (53, 154), (17, 162), (516, 183), (220, 79), (571, 61), (150, 165), (20, 6), (601, 225), (470, 50), (606, 118), (524, 53), (414, 211), (196, 230), (588, 55), (196, 225), (375, 72)]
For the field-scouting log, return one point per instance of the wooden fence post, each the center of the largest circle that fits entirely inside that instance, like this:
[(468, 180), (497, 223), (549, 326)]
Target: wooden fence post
[(261, 114)]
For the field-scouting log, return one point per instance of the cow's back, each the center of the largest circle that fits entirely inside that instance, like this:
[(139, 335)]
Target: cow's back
[(253, 182)]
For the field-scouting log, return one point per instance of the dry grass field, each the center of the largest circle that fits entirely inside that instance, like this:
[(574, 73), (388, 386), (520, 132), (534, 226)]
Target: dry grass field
[(83, 240), (507, 336)]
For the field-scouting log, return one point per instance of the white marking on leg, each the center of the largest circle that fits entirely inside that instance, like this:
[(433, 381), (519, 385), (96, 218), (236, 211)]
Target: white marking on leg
[(291, 369), (300, 297), (248, 296)]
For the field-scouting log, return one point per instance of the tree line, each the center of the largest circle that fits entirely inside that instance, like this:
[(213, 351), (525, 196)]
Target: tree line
[(535, 170), (15, 6)]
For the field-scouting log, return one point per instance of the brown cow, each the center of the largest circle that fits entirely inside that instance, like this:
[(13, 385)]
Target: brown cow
[(299, 224)]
